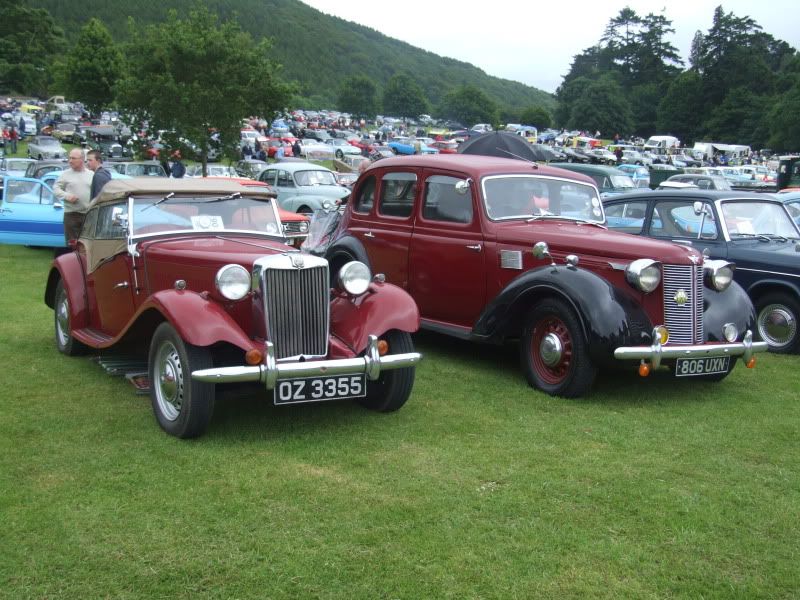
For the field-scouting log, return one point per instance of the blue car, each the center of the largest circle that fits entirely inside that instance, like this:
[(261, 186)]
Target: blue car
[(407, 146), (30, 213), (753, 231)]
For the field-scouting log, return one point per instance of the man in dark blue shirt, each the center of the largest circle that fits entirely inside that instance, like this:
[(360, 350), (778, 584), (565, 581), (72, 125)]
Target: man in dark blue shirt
[(94, 162)]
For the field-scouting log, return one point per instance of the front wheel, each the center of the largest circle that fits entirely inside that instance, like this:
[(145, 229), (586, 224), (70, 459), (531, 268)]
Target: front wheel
[(182, 405), (554, 352), (776, 320), (392, 388), (65, 343)]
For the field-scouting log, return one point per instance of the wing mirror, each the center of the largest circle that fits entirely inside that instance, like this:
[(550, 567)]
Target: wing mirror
[(462, 187)]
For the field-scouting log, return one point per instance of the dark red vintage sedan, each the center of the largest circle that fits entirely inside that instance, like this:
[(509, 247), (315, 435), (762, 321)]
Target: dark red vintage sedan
[(496, 249), (197, 276)]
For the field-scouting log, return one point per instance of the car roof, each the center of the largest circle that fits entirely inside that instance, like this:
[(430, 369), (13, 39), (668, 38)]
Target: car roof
[(698, 194), (297, 166), (477, 165), (583, 168), (119, 189)]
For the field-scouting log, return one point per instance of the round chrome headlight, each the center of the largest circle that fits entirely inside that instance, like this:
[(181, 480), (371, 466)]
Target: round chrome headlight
[(303, 226), (354, 277), (718, 274), (730, 332), (233, 282), (644, 274)]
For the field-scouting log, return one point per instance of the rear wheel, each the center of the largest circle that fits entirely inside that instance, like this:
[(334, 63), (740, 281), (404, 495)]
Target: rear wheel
[(392, 388), (554, 351), (776, 320), (64, 341), (182, 405)]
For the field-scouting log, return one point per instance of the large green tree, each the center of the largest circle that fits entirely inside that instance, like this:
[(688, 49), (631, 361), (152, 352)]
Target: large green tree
[(602, 106), (29, 42), (358, 95), (468, 105), (536, 115), (196, 76), (678, 112), (403, 97), (784, 121), (93, 67)]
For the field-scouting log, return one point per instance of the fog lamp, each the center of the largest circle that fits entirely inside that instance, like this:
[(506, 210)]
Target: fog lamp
[(663, 334), (383, 347), (730, 331), (644, 369), (253, 356)]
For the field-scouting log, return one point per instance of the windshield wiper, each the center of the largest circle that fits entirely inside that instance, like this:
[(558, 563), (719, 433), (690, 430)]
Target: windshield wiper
[(157, 202), (233, 196), (761, 237)]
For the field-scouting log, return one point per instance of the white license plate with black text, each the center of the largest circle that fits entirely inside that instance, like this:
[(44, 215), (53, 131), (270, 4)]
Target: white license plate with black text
[(688, 367), (319, 389)]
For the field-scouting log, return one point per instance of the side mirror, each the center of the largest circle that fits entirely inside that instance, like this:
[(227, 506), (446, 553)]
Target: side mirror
[(462, 187), (119, 218)]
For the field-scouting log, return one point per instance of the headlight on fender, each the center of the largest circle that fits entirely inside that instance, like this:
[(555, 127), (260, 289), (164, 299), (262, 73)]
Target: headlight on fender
[(718, 274), (233, 282), (644, 274), (354, 277)]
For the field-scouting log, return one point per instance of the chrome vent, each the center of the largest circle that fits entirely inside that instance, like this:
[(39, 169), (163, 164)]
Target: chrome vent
[(683, 303), (511, 259), (296, 302)]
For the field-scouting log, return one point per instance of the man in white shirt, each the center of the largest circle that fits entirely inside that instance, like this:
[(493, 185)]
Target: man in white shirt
[(73, 188)]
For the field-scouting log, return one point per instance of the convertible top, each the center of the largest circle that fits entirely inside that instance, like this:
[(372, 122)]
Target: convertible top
[(119, 189)]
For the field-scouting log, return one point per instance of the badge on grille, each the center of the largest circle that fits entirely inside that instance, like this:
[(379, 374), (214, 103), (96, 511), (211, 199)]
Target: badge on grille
[(681, 297), (297, 261)]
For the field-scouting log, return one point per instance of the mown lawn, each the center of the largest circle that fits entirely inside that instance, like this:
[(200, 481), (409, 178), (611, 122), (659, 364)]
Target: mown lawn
[(478, 488)]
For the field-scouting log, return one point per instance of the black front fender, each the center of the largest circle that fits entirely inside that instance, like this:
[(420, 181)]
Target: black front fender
[(608, 317), (731, 306), (346, 247)]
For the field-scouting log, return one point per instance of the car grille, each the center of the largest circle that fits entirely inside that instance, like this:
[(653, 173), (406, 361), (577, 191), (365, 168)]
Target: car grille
[(296, 304), (292, 227), (683, 319)]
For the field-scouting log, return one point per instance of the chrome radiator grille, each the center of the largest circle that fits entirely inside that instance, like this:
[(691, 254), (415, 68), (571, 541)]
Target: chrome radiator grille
[(683, 303), (297, 306)]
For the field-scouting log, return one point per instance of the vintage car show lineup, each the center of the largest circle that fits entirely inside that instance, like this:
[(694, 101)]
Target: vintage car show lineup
[(196, 275), (495, 250)]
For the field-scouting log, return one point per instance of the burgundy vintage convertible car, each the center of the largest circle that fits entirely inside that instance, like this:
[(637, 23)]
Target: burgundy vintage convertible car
[(497, 250), (197, 276)]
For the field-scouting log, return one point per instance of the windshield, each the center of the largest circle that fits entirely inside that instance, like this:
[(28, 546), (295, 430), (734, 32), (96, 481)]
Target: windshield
[(205, 214), (48, 142), (744, 219), (621, 181), (154, 170), (314, 178), (523, 196)]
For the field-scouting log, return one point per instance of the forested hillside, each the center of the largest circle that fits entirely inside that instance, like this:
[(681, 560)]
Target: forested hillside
[(316, 50)]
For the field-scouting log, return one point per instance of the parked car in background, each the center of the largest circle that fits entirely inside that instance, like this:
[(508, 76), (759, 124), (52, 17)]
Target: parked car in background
[(39, 168), (342, 148), (639, 174), (575, 156), (105, 139), (751, 230), (194, 276), (215, 170), (704, 182), (65, 132), (250, 168), (44, 146), (492, 250), (603, 157), (609, 180), (303, 187), (634, 157), (145, 168), (446, 147), (313, 149), (14, 167), (791, 200)]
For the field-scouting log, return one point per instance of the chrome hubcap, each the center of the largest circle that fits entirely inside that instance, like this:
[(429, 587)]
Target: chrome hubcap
[(777, 325), (169, 381), (551, 350), (62, 320)]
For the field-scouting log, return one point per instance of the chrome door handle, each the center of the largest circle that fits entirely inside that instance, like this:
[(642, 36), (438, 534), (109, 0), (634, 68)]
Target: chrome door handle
[(476, 247), (369, 234), (122, 285)]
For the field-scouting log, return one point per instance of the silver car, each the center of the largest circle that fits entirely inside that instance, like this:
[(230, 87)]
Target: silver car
[(44, 146)]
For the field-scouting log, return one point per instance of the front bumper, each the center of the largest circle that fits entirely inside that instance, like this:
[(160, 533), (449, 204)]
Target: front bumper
[(372, 363), (658, 352)]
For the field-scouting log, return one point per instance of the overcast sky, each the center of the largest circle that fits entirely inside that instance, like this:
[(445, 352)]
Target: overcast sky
[(534, 42)]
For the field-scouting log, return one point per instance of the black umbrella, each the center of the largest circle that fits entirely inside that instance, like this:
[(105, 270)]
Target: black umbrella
[(502, 144)]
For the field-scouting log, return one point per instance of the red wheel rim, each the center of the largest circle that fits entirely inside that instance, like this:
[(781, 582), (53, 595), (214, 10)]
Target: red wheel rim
[(557, 373)]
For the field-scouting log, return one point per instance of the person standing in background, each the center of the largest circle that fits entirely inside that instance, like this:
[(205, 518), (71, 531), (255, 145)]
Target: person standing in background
[(94, 162), (73, 187)]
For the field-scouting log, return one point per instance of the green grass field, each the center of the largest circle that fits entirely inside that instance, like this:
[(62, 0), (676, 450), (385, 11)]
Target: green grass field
[(479, 487)]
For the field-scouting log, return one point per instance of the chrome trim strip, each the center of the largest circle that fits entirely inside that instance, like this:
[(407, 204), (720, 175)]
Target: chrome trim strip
[(738, 268), (269, 373)]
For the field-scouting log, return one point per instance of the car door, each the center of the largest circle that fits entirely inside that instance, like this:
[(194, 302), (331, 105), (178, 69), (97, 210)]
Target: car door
[(674, 219), (110, 283), (446, 258), (30, 214)]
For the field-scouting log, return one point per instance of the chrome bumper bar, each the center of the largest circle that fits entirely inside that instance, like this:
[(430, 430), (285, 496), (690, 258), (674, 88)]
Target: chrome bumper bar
[(657, 352), (372, 363)]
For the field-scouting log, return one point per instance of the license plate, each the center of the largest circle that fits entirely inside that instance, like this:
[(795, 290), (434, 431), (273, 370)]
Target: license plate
[(319, 389), (687, 367)]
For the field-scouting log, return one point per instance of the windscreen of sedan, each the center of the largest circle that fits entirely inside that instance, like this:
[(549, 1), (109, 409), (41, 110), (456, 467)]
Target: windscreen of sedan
[(524, 196), (314, 178), (748, 219)]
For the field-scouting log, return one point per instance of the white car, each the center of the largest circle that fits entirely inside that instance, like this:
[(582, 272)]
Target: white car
[(212, 170), (44, 146), (342, 147), (315, 150)]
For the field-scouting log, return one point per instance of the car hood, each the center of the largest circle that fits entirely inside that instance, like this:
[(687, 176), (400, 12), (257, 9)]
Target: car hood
[(565, 237), (329, 191), (767, 256)]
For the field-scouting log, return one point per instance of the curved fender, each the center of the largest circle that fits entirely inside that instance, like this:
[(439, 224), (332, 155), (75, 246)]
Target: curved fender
[(731, 306), (198, 321), (772, 284), (609, 318), (68, 268), (383, 307), (348, 244)]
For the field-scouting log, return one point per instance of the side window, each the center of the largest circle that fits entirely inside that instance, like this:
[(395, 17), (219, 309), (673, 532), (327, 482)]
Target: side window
[(90, 224), (285, 179), (678, 219), (267, 176), (48, 197), (22, 192), (366, 196), (397, 194), (443, 203), (108, 224)]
